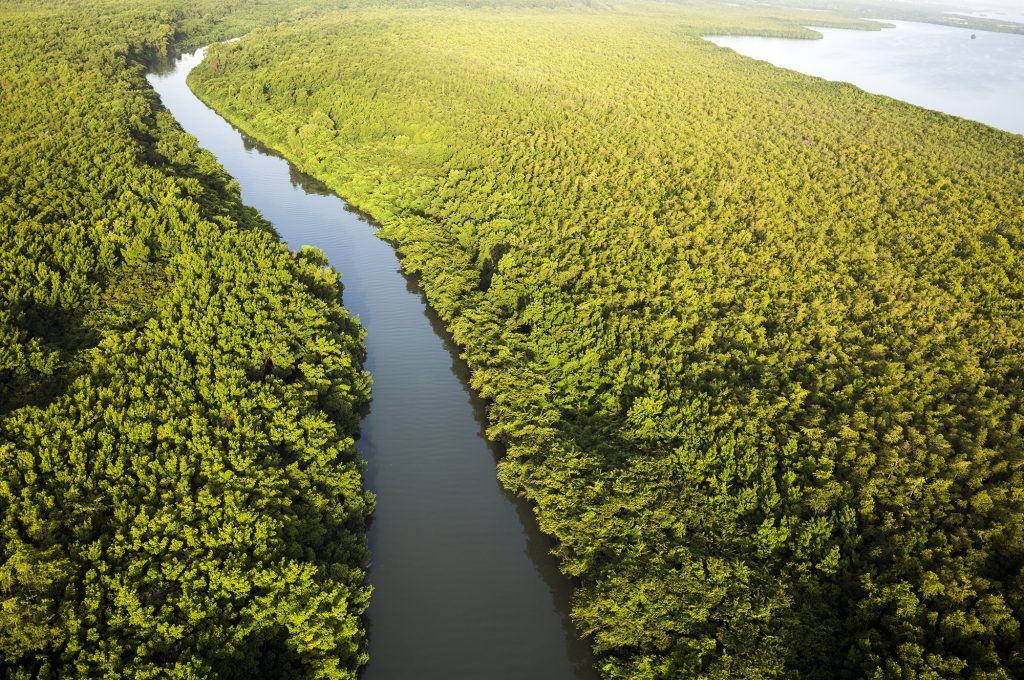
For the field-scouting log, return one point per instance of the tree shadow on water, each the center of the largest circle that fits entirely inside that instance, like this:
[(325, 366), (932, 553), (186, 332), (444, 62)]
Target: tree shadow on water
[(539, 546)]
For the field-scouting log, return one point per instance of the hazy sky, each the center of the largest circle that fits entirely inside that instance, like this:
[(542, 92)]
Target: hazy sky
[(1014, 7), (1011, 6)]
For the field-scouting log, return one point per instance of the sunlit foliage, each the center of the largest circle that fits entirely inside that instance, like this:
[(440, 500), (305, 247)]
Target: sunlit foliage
[(753, 339), (180, 495)]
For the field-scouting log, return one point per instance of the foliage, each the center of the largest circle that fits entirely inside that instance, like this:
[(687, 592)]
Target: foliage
[(180, 495), (753, 339)]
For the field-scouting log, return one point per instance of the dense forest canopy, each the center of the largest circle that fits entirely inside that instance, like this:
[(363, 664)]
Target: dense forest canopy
[(753, 339), (180, 495)]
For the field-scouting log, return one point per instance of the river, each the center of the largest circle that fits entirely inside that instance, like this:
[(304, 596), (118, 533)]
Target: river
[(937, 67), (464, 586)]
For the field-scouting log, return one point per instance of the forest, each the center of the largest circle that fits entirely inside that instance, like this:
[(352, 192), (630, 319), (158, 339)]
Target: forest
[(180, 495), (751, 339)]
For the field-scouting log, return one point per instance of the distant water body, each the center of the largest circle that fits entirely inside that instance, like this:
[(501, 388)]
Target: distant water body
[(936, 67), (998, 15)]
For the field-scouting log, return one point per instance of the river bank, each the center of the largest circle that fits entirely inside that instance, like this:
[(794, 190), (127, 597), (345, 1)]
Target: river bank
[(463, 583)]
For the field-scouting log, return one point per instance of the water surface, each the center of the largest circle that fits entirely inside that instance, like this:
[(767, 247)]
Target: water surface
[(937, 67), (994, 13), (464, 587)]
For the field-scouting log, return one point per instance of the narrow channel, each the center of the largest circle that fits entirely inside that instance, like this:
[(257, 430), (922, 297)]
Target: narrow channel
[(464, 586)]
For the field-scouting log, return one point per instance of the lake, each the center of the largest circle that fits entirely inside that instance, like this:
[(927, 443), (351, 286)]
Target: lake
[(937, 67)]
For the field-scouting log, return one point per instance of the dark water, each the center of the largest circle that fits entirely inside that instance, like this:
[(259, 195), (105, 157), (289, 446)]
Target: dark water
[(464, 586), (938, 67)]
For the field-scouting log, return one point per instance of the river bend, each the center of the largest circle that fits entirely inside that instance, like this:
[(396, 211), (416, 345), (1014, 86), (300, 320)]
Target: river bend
[(464, 587)]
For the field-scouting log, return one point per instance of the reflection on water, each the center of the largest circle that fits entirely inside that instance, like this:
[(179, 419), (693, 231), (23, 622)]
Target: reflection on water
[(937, 67), (464, 583)]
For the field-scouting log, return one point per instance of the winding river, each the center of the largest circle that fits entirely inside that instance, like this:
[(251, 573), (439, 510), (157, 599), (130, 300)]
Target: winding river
[(464, 586)]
